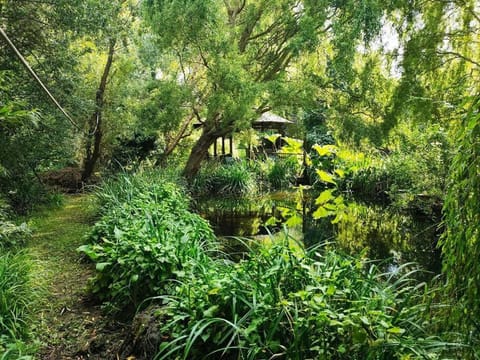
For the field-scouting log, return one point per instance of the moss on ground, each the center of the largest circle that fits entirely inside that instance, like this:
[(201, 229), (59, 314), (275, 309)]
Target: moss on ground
[(68, 324)]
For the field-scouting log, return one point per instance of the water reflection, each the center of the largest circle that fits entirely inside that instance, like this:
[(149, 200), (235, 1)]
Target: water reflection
[(373, 231)]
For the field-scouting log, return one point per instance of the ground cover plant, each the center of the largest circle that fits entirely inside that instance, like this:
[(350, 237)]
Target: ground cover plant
[(281, 301)]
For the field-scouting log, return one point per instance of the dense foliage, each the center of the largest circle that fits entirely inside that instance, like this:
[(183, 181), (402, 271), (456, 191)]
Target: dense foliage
[(381, 91), (145, 238), (280, 301), (461, 242), (17, 290)]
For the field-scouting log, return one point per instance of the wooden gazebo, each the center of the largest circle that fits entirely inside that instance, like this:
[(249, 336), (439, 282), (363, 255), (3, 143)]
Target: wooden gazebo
[(271, 121), (223, 146)]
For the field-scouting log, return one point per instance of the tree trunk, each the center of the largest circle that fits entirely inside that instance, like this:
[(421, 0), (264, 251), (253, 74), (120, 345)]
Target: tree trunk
[(94, 137), (200, 150)]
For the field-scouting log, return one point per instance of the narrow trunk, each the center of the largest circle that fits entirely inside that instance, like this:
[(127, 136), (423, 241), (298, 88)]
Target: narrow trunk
[(94, 137)]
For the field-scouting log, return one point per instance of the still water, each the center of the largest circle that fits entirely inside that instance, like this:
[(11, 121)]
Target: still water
[(377, 232)]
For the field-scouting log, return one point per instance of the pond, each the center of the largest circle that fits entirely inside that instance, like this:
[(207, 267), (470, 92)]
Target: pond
[(374, 231)]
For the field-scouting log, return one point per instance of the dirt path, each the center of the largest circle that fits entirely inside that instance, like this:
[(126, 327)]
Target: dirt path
[(69, 325)]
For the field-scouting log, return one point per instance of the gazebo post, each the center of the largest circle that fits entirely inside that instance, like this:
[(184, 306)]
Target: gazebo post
[(215, 148)]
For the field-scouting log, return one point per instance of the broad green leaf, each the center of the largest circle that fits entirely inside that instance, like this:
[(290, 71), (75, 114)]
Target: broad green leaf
[(272, 138), (293, 221), (324, 197), (325, 150), (321, 212), (326, 177)]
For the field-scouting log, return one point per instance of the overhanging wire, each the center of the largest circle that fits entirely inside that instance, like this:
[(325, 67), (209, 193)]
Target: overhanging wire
[(42, 85)]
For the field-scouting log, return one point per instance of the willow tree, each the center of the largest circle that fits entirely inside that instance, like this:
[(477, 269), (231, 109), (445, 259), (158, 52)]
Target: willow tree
[(241, 58), (440, 72)]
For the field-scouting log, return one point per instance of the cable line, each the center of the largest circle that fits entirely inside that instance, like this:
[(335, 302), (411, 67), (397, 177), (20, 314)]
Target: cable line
[(39, 81)]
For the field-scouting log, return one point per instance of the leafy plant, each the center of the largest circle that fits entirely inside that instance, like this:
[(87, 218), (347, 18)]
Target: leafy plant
[(145, 237), (460, 244), (286, 302)]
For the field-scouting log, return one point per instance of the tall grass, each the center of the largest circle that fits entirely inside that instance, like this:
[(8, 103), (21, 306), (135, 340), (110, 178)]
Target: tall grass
[(17, 296)]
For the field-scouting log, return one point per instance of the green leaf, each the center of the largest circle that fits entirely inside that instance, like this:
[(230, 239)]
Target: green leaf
[(293, 221), (396, 330), (326, 177), (321, 212), (325, 150), (101, 266), (331, 290), (210, 311), (340, 172), (324, 197)]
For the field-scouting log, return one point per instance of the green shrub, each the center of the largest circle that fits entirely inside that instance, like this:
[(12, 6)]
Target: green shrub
[(11, 235), (145, 237), (285, 303), (235, 178), (282, 173)]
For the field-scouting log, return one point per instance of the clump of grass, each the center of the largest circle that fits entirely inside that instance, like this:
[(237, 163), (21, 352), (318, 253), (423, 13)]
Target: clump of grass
[(282, 173), (17, 296), (235, 178)]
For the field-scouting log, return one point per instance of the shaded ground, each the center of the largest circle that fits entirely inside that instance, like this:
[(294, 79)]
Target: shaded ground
[(69, 325)]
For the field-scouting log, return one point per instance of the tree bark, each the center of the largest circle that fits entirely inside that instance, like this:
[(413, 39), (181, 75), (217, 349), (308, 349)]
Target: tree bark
[(200, 150), (94, 137)]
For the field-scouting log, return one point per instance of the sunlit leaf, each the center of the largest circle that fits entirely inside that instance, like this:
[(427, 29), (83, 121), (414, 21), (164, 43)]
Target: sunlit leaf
[(325, 150), (324, 197), (321, 212), (396, 330), (325, 176), (294, 221)]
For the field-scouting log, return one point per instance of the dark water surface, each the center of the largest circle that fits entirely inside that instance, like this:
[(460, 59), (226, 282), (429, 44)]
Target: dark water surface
[(374, 231)]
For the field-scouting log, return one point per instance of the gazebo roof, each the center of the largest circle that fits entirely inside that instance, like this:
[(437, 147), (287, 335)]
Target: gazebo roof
[(267, 120), (271, 118)]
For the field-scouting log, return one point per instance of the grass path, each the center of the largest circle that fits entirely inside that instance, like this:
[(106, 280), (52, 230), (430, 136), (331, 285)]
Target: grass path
[(68, 324)]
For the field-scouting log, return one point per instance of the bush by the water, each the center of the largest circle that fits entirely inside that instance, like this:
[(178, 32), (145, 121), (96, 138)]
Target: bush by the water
[(282, 301), (145, 238), (234, 178)]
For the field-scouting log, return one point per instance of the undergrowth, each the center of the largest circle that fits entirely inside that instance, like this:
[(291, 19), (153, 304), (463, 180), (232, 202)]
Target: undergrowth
[(17, 296), (17, 291), (281, 301), (145, 238)]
